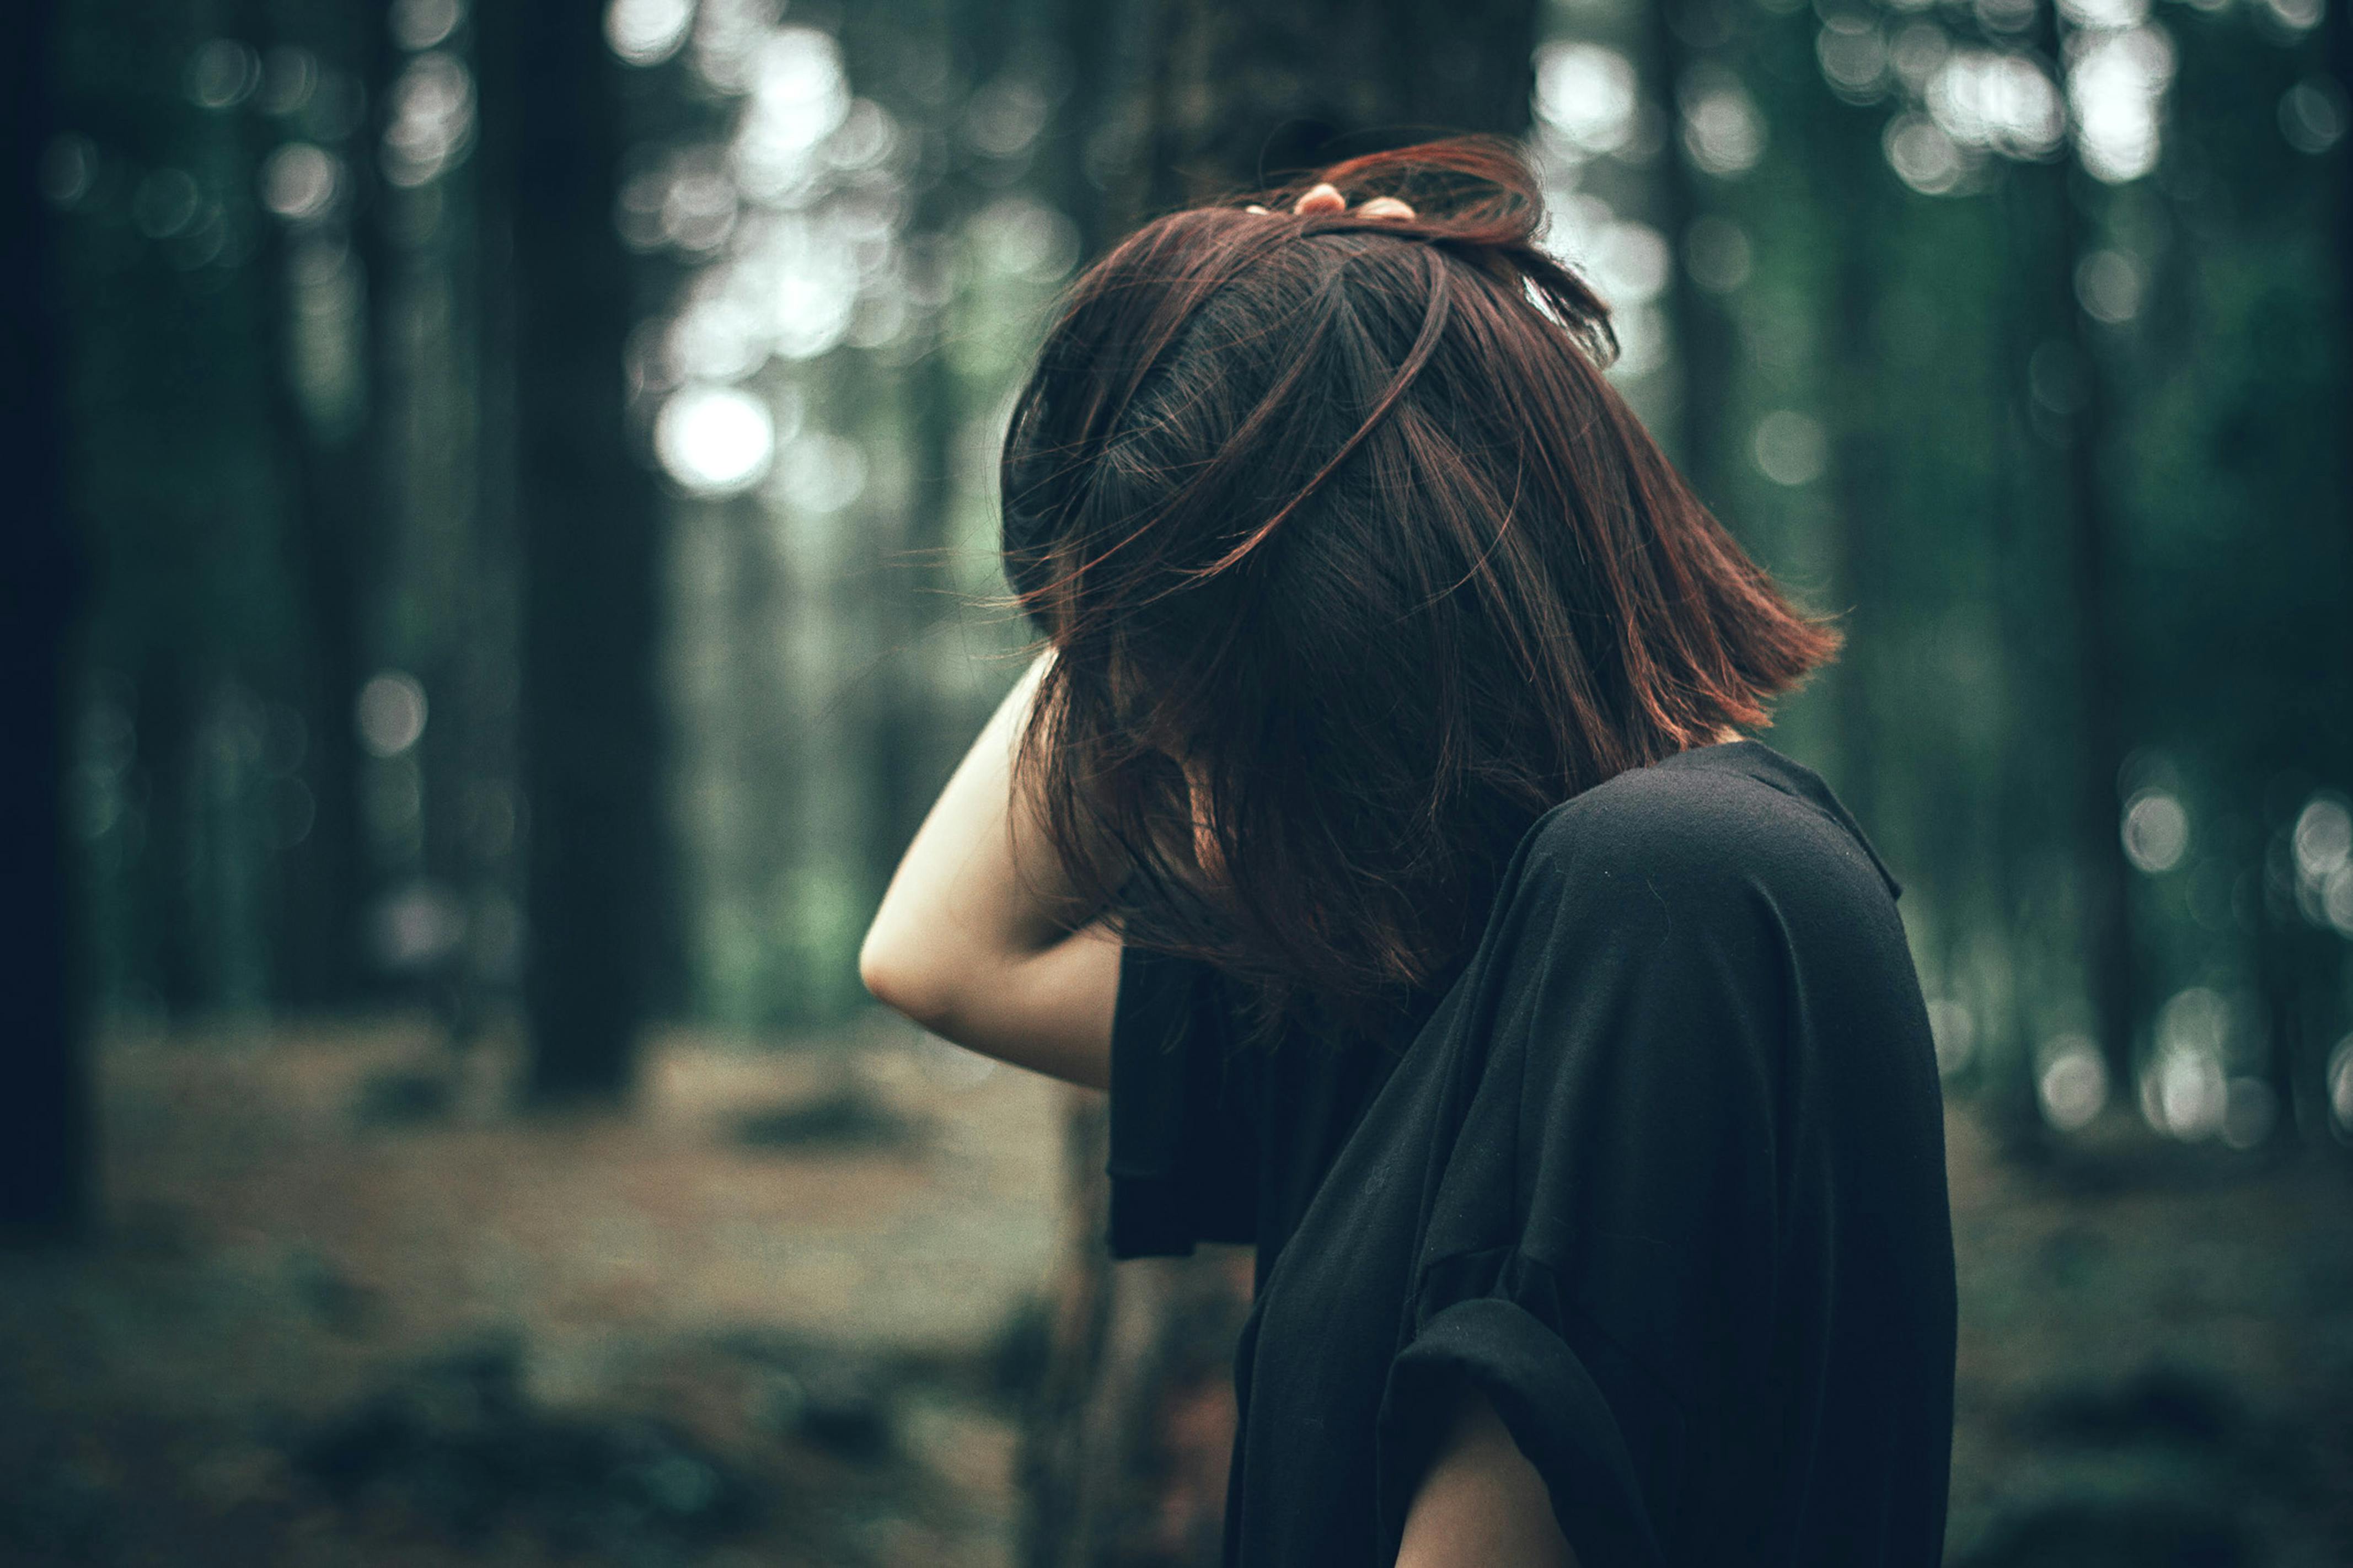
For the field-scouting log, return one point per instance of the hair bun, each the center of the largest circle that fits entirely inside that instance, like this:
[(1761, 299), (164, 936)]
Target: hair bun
[(1474, 196)]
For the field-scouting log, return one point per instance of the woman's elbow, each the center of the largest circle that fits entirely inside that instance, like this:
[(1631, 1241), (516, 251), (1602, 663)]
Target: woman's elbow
[(896, 977)]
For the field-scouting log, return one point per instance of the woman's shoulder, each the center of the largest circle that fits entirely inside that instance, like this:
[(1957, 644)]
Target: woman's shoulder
[(1694, 889), (1707, 820)]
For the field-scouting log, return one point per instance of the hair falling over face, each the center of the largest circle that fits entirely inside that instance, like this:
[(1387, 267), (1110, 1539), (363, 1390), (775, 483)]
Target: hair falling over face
[(1339, 508)]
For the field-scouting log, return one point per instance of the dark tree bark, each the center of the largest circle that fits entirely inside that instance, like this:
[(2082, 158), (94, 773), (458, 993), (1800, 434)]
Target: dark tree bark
[(2298, 991), (2336, 29), (1237, 93), (2079, 653), (586, 512), (1858, 464), (2103, 886), (172, 908), (1127, 1439), (45, 1172), (1703, 340), (336, 489), (2032, 667)]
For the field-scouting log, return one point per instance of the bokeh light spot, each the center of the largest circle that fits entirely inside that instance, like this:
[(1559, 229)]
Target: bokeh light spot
[(422, 23), (1717, 254), (1631, 263), (1026, 238), (1722, 130), (2339, 1079), (288, 77), (1586, 95), (68, 168), (1997, 100), (2312, 114), (2294, 17), (1922, 156), (715, 440), (166, 203), (2191, 1094), (432, 119), (2324, 836), (390, 713), (646, 32), (222, 73), (2115, 82), (821, 473), (299, 182), (2156, 831), (2105, 13), (2072, 1086), (1791, 448), (2109, 285), (415, 926), (1852, 53)]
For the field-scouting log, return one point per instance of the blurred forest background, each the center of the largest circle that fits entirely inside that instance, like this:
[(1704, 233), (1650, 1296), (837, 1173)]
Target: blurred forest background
[(501, 548)]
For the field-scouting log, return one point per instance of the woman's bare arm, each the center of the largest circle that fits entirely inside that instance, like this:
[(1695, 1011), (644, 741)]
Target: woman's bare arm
[(966, 944), (1481, 1504)]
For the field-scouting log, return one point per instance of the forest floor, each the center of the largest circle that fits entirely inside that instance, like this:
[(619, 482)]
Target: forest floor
[(2155, 1360), (343, 1310)]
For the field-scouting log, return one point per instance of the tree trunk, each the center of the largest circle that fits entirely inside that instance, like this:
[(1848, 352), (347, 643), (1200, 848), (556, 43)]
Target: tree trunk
[(1858, 446), (2336, 29), (2031, 664), (587, 516), (2102, 891), (1240, 94), (1703, 340), (46, 1174), (336, 488), (1128, 1438)]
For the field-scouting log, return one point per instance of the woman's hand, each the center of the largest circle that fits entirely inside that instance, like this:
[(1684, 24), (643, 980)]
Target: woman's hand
[(1326, 198)]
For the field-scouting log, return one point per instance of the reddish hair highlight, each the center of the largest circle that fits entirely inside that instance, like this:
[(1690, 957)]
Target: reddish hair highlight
[(1341, 513)]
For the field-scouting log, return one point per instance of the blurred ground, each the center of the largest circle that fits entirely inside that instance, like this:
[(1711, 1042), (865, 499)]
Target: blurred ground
[(344, 1312), (344, 1315), (2155, 1358)]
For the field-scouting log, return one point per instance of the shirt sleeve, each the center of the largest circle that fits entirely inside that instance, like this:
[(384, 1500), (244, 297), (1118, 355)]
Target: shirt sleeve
[(1183, 1142), (1599, 1246)]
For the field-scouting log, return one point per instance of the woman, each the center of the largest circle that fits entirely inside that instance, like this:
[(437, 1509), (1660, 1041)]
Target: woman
[(1376, 828)]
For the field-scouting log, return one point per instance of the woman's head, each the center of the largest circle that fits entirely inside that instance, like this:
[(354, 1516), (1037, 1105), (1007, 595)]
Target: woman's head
[(1354, 563)]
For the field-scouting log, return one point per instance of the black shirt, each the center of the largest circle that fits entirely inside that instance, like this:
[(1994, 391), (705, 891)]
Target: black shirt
[(1661, 1172)]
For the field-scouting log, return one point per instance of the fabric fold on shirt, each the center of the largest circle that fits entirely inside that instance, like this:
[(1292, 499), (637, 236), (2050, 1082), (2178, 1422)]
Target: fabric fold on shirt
[(1556, 1415)]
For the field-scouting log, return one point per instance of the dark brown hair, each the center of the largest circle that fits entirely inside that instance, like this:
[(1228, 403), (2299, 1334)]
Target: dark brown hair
[(1342, 511)]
